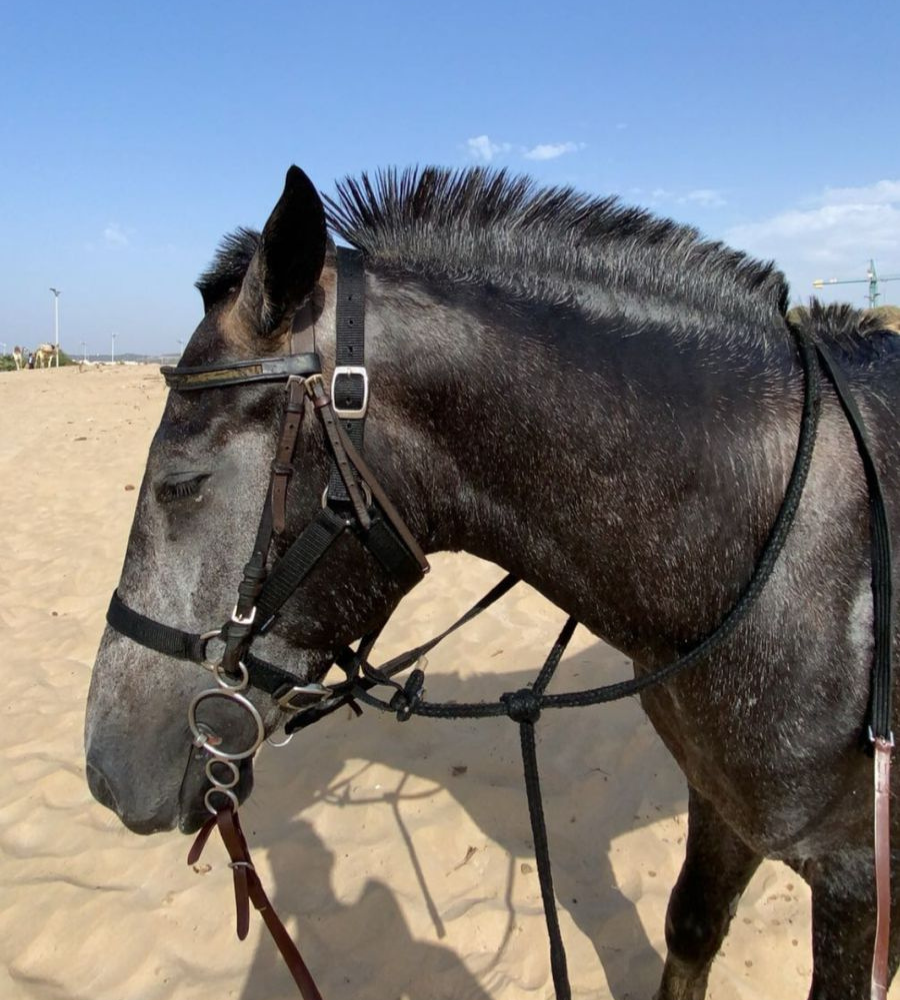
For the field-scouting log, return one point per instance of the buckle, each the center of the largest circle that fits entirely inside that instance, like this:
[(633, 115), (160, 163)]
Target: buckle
[(346, 371), (238, 620), (314, 692)]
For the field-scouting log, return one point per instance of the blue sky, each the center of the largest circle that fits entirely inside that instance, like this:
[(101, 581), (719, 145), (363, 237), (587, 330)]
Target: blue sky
[(132, 137)]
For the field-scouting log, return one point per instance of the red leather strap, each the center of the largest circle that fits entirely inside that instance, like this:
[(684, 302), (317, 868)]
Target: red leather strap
[(247, 889), (883, 750)]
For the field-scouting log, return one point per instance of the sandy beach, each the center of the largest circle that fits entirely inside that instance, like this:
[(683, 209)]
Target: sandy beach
[(398, 855)]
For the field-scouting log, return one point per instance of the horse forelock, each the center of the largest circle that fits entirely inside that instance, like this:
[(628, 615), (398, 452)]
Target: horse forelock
[(228, 266)]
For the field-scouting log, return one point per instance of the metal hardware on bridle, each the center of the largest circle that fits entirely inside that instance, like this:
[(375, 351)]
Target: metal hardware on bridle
[(220, 757), (354, 501)]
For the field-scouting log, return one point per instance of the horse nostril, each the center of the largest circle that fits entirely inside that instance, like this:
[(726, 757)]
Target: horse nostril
[(100, 788)]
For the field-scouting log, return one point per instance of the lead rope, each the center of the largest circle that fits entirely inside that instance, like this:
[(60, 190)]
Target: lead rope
[(525, 706)]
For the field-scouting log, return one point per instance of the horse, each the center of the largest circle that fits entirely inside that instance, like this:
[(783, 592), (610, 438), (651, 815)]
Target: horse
[(598, 400), (44, 355)]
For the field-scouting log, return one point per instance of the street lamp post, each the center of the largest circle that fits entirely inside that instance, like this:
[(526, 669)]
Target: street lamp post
[(56, 322), (112, 356), (84, 352)]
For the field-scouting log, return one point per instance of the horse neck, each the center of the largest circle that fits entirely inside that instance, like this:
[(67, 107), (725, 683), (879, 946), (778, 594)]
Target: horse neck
[(629, 475)]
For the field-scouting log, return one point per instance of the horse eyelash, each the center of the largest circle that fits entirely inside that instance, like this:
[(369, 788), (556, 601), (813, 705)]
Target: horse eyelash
[(168, 492)]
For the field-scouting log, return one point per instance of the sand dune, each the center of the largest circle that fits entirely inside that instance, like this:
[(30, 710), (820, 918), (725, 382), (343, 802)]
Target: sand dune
[(399, 855)]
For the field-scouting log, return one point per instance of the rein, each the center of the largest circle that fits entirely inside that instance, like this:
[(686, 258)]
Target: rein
[(354, 502)]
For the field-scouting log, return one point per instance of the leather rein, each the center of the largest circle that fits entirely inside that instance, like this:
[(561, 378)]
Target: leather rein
[(355, 503)]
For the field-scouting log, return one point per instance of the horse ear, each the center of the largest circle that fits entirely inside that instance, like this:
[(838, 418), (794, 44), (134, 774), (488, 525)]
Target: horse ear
[(289, 258)]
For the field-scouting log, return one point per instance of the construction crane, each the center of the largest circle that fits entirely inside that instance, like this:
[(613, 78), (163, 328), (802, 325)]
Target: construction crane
[(871, 279)]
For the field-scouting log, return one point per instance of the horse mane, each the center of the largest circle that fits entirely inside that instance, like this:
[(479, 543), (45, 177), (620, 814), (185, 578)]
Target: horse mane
[(859, 338), (480, 226), (486, 226)]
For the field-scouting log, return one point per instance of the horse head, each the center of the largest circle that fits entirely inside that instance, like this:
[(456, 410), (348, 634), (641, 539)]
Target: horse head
[(205, 486)]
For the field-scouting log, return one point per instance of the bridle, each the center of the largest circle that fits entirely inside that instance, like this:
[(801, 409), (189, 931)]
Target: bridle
[(354, 502)]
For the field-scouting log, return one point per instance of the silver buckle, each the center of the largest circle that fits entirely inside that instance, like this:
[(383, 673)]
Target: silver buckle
[(238, 620), (314, 690), (342, 371)]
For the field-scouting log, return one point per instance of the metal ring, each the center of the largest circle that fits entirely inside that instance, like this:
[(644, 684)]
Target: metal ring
[(232, 770), (245, 703), (242, 683), (232, 798), (283, 743)]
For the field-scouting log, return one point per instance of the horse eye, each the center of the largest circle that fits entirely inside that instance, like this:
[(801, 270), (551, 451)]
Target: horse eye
[(180, 486)]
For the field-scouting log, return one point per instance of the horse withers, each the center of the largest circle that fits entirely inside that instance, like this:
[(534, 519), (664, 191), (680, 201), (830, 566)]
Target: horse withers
[(605, 405)]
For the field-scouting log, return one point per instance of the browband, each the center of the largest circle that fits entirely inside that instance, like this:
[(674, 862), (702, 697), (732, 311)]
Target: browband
[(272, 369)]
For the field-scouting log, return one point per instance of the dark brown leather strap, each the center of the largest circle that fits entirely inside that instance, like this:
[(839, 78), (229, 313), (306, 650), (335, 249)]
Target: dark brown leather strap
[(337, 438), (883, 749), (248, 889), (275, 369), (282, 468), (390, 511), (348, 459)]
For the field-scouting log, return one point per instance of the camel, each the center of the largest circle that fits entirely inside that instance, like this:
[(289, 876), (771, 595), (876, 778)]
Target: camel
[(44, 355)]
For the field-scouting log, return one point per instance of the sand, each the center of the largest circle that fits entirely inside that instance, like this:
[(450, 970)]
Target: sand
[(398, 855)]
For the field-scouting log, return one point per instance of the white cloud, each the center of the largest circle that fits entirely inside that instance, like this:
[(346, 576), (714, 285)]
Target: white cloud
[(481, 148), (114, 235), (701, 197), (880, 193), (704, 197), (551, 150), (832, 235)]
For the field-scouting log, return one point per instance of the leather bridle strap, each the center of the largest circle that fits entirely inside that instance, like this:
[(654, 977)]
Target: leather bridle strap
[(282, 464), (248, 889), (274, 369)]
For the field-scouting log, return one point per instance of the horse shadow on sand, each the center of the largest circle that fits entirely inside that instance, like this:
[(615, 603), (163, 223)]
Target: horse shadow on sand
[(594, 792)]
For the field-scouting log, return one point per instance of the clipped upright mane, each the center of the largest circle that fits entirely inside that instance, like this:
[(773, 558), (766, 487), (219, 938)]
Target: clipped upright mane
[(481, 225)]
